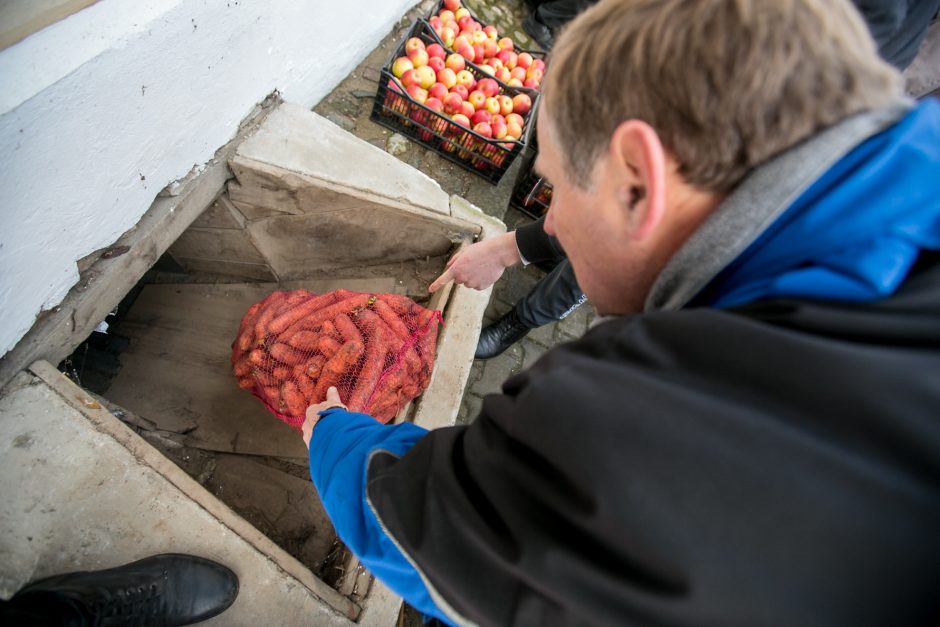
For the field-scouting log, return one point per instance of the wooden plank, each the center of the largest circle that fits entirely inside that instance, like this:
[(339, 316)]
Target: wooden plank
[(176, 372)]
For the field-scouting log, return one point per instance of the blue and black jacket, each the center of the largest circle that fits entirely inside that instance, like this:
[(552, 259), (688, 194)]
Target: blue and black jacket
[(767, 454)]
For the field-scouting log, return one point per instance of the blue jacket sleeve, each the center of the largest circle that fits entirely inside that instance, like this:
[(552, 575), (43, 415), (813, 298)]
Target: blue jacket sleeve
[(339, 453)]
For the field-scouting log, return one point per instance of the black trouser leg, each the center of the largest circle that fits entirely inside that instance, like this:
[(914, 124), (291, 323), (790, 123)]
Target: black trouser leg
[(555, 296)]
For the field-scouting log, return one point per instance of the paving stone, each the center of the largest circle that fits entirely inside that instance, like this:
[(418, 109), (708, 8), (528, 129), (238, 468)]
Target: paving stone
[(577, 321), (340, 120), (544, 335), (495, 310), (476, 371), (363, 93), (397, 144), (517, 282), (532, 352), (497, 370), (469, 409)]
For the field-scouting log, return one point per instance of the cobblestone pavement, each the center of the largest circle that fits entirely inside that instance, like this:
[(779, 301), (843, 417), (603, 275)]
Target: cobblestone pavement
[(349, 106)]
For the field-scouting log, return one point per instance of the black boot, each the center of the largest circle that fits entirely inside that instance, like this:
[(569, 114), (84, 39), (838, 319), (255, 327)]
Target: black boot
[(500, 335), (163, 590)]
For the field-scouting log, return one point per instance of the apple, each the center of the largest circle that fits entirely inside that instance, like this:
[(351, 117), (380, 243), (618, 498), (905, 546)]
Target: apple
[(448, 77), (461, 40), (467, 79), (438, 90), (452, 104), (436, 50), (436, 64), (479, 37), (461, 90), (531, 83), (466, 51), (447, 36), (401, 65), (461, 119), (539, 64), (513, 130), (507, 57), (515, 117), (497, 118), (521, 103), (488, 69), (534, 72), (465, 22), (455, 62), (419, 57), (436, 23), (491, 32), (505, 43), (506, 104), (451, 5), (452, 24), (462, 12), (484, 129), (447, 15), (488, 86), (467, 109), (514, 82), (413, 43), (492, 104), (417, 94), (409, 78), (524, 60), (481, 116), (477, 98), (425, 76), (499, 129), (495, 63), (503, 74), (490, 49), (478, 53), (518, 72), (476, 26)]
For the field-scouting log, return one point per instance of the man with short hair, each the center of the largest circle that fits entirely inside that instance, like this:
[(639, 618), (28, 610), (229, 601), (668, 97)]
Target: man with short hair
[(750, 434)]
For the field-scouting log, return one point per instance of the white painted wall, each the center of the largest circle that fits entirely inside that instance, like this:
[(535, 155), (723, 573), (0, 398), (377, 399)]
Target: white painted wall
[(100, 111)]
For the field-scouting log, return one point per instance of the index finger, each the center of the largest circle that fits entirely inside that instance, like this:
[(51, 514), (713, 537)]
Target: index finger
[(439, 282)]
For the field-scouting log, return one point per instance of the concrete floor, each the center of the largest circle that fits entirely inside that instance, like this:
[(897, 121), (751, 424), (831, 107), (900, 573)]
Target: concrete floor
[(349, 106)]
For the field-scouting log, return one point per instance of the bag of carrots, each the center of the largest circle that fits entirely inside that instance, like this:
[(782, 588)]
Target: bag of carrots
[(376, 349)]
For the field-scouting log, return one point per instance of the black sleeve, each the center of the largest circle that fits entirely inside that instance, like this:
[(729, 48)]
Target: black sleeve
[(536, 245)]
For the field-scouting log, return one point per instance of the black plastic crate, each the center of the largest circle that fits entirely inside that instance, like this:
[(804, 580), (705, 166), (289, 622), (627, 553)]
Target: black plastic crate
[(536, 54), (532, 194), (483, 156)]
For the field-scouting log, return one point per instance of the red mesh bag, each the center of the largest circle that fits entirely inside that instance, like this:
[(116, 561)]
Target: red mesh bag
[(376, 349)]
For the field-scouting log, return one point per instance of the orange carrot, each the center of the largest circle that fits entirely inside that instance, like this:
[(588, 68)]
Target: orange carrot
[(319, 317), (335, 367), (347, 328), (392, 319), (243, 367), (302, 340), (269, 306), (314, 366), (281, 372), (246, 383), (372, 367), (256, 357), (297, 311), (286, 354), (327, 346), (292, 399)]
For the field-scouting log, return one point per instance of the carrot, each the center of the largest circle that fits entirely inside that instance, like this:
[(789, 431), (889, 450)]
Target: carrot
[(296, 312), (319, 317), (314, 366), (302, 340), (306, 386), (280, 372), (327, 346), (269, 306), (286, 354), (256, 357), (335, 367), (370, 373), (392, 319), (347, 328), (399, 304), (242, 368), (328, 329), (264, 378), (371, 323), (246, 383), (292, 399), (271, 393), (389, 391)]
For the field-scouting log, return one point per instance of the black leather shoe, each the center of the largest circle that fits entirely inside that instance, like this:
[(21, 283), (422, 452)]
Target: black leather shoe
[(159, 591), (541, 33), (500, 335)]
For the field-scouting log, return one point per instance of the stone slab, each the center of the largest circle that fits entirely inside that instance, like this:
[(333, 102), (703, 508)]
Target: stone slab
[(297, 139), (216, 244), (82, 491)]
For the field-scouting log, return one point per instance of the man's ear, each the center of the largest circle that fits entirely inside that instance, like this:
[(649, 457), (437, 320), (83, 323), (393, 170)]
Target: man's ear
[(641, 162)]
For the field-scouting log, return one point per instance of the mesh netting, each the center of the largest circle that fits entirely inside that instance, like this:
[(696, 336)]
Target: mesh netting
[(376, 349)]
